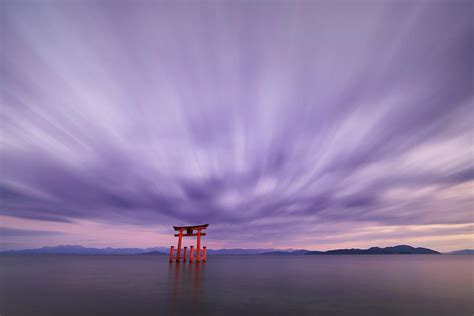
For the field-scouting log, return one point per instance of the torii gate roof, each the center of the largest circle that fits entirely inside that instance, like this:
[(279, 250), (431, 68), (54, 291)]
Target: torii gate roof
[(177, 228)]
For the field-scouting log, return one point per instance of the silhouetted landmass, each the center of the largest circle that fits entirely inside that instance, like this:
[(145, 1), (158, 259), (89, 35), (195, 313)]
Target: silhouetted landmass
[(314, 252), (154, 253), (284, 253), (461, 252), (396, 250), (237, 251), (80, 250)]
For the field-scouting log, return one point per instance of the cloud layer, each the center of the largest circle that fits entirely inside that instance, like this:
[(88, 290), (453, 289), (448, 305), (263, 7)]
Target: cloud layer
[(307, 120)]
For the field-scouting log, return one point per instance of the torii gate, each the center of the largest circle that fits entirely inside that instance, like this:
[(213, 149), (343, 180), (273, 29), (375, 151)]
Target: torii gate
[(200, 254)]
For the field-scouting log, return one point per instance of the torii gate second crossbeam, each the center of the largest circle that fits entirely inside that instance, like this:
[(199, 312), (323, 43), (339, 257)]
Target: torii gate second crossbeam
[(200, 254)]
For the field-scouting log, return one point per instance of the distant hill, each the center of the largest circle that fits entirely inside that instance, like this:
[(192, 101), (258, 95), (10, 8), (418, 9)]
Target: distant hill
[(80, 250), (154, 253), (396, 250), (461, 252), (315, 252), (238, 251), (284, 253)]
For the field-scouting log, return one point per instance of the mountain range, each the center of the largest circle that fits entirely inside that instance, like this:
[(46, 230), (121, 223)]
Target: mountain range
[(396, 250), (462, 252), (80, 250)]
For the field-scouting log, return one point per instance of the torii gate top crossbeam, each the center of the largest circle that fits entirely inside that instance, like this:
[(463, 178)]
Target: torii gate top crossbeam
[(178, 228)]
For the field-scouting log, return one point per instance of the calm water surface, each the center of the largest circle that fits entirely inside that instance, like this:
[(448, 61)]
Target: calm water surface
[(237, 285)]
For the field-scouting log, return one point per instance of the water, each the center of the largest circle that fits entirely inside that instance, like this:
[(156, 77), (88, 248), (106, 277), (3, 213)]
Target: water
[(237, 285)]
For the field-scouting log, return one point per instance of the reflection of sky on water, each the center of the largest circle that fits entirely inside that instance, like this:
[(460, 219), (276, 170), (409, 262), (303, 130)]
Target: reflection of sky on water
[(144, 285)]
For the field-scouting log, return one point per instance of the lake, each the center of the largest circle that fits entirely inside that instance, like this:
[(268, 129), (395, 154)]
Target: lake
[(237, 285)]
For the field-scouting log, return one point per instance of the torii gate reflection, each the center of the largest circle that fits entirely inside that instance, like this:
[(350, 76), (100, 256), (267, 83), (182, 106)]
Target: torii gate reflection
[(200, 254), (184, 297)]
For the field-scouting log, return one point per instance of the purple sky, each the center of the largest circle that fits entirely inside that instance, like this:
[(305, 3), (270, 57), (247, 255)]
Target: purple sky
[(281, 124)]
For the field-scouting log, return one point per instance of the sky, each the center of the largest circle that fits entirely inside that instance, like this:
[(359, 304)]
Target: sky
[(282, 124)]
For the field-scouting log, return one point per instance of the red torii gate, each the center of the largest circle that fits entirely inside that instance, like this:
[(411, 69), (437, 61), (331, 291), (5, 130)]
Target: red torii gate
[(200, 254)]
